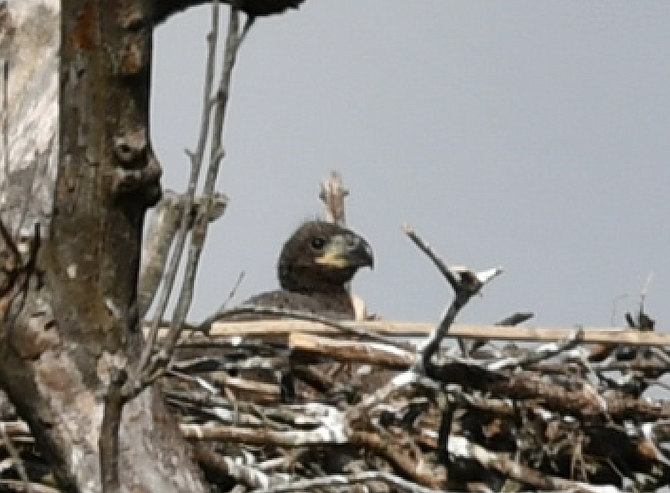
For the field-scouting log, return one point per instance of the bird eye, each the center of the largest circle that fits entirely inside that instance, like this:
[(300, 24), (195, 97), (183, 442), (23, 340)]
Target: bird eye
[(318, 242)]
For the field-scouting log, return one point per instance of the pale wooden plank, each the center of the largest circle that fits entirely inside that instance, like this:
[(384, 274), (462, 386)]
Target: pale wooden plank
[(614, 335)]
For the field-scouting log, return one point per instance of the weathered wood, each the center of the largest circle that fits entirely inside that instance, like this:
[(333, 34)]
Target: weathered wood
[(352, 351), (605, 335), (29, 147), (69, 328)]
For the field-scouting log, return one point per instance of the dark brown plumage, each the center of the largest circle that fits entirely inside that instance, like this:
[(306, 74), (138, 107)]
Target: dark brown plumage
[(314, 266)]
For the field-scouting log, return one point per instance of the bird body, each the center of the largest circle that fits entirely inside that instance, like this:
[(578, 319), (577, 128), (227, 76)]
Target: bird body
[(314, 267)]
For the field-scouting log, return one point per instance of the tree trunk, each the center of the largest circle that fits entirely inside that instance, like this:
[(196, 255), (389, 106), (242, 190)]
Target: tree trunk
[(70, 329)]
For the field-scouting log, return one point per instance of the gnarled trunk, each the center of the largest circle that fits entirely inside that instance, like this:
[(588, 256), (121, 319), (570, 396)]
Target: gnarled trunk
[(78, 162)]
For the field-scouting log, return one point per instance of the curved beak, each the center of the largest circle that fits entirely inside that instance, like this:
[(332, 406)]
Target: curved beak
[(347, 250), (361, 254)]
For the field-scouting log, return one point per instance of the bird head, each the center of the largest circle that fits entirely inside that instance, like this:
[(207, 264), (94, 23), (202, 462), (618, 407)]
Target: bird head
[(322, 257)]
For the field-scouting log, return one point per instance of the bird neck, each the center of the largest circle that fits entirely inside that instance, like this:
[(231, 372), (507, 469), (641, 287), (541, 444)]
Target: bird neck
[(308, 281)]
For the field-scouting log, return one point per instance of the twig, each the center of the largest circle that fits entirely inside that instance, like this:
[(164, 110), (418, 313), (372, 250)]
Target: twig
[(399, 458), (331, 432), (145, 371), (465, 285), (515, 319), (216, 156), (165, 222), (232, 293), (16, 458), (396, 482), (540, 354), (353, 351), (13, 485), (461, 447), (328, 433), (344, 327), (217, 326), (251, 477), (439, 263)]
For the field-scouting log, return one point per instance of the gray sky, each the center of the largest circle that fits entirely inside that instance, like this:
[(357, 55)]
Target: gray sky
[(529, 135)]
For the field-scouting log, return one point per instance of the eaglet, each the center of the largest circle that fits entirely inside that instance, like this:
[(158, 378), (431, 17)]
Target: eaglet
[(314, 266)]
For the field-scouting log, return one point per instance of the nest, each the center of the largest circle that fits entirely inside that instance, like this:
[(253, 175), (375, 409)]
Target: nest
[(300, 411), (305, 407)]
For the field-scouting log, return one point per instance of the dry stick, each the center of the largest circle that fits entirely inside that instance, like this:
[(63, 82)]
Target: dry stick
[(464, 288), (14, 485), (196, 163), (439, 263), (216, 156), (14, 454), (399, 458), (339, 480), (515, 319), (353, 351), (251, 477), (164, 224), (542, 353), (461, 447), (347, 328), (17, 429), (222, 308), (233, 291), (461, 298), (332, 194), (252, 414), (282, 327), (333, 431)]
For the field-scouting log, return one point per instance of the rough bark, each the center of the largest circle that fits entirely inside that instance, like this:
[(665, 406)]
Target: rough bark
[(70, 331)]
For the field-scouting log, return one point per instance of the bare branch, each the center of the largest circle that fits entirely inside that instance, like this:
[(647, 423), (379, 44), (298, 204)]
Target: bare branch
[(165, 222), (345, 327), (333, 193)]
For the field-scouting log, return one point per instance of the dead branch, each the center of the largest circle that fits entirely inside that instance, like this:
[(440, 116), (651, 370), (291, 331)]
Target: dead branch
[(349, 351), (584, 335), (164, 223), (333, 194)]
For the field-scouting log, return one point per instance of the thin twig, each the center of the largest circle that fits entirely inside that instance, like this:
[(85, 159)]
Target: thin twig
[(217, 153), (539, 354), (427, 249), (196, 164), (16, 458), (233, 292), (398, 483)]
